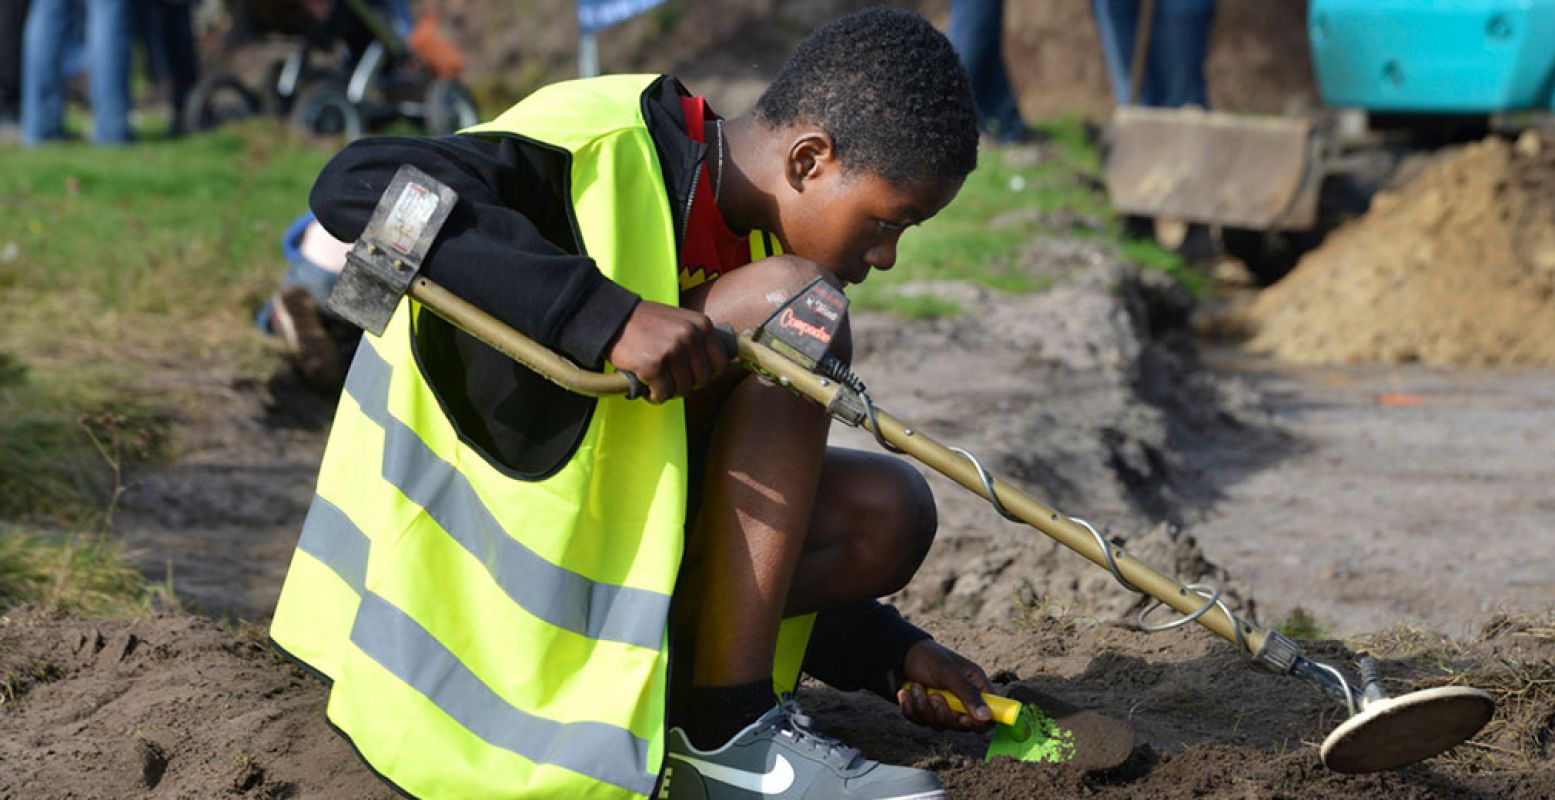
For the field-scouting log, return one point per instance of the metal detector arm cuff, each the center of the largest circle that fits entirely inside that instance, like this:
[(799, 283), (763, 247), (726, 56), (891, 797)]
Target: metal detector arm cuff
[(388, 255)]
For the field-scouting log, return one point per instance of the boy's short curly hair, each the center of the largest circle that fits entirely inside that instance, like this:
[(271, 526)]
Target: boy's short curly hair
[(889, 90)]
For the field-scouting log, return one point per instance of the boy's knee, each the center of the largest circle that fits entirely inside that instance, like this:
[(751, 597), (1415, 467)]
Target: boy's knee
[(904, 523), (789, 274)]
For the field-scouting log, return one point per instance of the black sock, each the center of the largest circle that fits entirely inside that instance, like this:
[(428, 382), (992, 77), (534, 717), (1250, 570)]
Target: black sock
[(717, 713)]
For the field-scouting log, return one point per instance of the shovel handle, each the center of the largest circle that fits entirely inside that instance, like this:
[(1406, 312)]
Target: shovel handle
[(1004, 709)]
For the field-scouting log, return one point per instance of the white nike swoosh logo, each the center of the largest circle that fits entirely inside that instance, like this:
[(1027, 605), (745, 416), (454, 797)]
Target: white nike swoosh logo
[(773, 781)]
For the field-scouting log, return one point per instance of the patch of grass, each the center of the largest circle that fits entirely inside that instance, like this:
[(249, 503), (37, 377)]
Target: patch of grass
[(65, 438), (1014, 194), (1301, 626), (910, 306), (83, 574), (1407, 641), (117, 264), (1521, 682), (1038, 609), (173, 228), (16, 681), (1150, 255), (118, 269)]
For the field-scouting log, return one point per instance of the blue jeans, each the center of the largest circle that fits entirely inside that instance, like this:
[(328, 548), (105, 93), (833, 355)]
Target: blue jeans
[(166, 30), (1174, 63), (44, 48), (13, 18), (976, 31)]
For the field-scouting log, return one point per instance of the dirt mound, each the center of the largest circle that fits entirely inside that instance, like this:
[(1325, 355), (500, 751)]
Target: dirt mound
[(167, 707), (176, 706), (1455, 267)]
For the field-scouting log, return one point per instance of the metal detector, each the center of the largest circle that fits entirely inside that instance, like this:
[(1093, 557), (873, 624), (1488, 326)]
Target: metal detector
[(790, 349)]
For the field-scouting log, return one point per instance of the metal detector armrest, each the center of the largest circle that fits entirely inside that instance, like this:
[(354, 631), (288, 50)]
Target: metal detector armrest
[(388, 255)]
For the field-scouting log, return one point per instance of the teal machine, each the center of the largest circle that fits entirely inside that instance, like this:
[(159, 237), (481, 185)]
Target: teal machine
[(1396, 77), (1470, 57)]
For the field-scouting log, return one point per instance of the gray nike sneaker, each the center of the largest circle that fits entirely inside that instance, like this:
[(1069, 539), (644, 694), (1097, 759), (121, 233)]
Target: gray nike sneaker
[(779, 756)]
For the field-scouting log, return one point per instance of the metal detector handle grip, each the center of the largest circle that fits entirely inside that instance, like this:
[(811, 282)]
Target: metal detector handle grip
[(532, 354), (635, 387), (726, 337)]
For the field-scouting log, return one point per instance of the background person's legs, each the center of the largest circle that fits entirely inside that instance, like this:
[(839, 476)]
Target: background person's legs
[(1117, 22), (1178, 45), (976, 31), (43, 74), (166, 29), (1174, 62), (108, 43), (13, 20)]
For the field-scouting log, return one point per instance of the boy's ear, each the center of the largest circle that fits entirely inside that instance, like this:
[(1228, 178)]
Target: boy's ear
[(811, 154)]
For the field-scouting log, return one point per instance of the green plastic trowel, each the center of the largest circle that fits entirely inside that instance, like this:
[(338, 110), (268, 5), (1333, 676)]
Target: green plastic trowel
[(1039, 728)]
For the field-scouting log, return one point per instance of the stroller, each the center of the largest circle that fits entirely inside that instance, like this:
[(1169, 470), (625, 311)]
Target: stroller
[(346, 68)]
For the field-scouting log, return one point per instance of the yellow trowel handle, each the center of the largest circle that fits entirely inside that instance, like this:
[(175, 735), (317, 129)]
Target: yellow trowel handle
[(1004, 709)]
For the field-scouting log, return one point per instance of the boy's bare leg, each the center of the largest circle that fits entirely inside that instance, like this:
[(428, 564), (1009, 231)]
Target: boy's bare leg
[(762, 472), (763, 468), (787, 525)]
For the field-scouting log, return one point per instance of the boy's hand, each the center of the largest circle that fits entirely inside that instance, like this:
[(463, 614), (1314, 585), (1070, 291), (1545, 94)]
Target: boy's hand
[(672, 350), (933, 665)]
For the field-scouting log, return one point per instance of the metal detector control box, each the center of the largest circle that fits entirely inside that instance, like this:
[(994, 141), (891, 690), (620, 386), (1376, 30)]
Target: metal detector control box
[(804, 327), (383, 262)]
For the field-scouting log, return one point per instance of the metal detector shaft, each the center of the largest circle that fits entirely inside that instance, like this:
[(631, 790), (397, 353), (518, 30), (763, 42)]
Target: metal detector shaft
[(846, 405), (1381, 732), (1077, 537), (472, 320), (1071, 534)]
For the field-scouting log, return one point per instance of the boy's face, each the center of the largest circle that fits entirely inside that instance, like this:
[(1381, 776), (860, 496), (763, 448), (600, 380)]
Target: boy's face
[(850, 221)]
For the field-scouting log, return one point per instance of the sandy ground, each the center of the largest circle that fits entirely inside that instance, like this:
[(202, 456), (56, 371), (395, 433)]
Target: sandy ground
[(1089, 396), (1416, 495)]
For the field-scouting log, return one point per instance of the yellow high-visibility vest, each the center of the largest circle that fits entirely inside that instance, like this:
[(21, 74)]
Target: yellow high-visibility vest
[(486, 636)]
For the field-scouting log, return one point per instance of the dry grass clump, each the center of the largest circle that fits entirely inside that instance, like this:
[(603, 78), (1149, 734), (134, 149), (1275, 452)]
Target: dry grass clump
[(1512, 659)]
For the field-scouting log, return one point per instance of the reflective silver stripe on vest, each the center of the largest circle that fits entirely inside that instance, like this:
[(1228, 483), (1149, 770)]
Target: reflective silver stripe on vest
[(559, 596), (331, 537), (595, 749)]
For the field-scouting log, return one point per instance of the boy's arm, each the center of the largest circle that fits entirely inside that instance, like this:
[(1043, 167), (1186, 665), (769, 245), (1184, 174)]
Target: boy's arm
[(489, 252), (494, 256), (868, 645)]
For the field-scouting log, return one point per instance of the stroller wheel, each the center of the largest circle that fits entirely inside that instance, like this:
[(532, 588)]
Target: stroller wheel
[(216, 100), (449, 108), (323, 109)]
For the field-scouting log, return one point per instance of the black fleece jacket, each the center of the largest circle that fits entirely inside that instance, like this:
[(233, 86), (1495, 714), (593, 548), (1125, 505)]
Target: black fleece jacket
[(509, 247)]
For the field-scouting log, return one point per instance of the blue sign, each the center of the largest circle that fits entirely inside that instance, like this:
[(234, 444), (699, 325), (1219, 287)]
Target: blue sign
[(595, 15)]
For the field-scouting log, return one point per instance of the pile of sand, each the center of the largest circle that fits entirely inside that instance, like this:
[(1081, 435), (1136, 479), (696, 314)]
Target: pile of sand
[(1455, 268)]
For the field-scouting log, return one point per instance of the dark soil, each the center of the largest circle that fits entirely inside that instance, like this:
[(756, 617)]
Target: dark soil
[(177, 706)]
